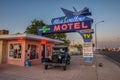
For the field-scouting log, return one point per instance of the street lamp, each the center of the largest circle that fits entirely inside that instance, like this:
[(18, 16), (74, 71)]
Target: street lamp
[(96, 32)]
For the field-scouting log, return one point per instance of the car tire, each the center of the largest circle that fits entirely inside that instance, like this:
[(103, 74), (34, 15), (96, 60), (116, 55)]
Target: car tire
[(68, 63), (64, 68), (46, 67)]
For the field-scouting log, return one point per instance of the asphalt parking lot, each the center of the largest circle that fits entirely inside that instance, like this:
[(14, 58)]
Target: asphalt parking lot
[(75, 71)]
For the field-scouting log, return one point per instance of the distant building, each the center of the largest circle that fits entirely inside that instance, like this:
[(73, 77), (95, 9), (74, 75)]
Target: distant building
[(73, 49), (4, 32)]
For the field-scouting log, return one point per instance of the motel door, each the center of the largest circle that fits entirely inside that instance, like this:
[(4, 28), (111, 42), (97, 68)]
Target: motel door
[(42, 53)]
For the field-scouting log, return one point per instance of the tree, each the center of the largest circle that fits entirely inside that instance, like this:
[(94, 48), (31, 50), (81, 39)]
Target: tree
[(31, 29), (59, 36), (66, 42), (78, 46)]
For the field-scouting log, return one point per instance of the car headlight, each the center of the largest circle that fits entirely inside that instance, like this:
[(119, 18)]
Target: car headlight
[(59, 57), (50, 57)]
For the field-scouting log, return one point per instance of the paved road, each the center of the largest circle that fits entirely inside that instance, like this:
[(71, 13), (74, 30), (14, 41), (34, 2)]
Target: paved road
[(76, 71)]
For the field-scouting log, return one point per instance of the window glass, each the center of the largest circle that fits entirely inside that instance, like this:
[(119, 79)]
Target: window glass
[(32, 52), (15, 50)]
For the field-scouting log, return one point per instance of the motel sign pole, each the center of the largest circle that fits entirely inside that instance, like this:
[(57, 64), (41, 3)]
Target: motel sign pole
[(96, 32)]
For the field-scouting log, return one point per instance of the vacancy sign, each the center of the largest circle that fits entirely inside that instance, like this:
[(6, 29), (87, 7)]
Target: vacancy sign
[(87, 49)]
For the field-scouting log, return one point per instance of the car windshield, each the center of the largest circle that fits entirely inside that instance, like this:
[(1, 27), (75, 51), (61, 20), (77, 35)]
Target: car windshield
[(59, 49)]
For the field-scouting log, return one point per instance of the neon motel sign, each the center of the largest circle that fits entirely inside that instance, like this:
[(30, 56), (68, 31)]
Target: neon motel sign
[(68, 23), (65, 27)]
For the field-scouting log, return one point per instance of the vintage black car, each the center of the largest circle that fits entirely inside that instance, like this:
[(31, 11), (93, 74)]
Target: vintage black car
[(60, 57)]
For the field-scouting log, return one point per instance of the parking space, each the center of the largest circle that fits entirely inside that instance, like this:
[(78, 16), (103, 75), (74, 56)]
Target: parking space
[(75, 71)]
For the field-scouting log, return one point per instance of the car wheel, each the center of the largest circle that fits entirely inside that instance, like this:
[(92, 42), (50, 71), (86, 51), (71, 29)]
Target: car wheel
[(68, 63), (64, 68), (46, 67)]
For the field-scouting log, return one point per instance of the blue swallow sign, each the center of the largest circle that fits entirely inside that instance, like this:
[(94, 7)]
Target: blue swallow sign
[(66, 19), (71, 22)]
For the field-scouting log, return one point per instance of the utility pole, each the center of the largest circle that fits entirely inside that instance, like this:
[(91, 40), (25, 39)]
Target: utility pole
[(96, 32)]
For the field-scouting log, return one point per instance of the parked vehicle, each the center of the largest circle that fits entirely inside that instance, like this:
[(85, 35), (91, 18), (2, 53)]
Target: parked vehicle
[(60, 57)]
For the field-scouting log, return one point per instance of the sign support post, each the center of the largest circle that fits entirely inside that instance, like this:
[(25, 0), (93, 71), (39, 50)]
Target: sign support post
[(87, 45)]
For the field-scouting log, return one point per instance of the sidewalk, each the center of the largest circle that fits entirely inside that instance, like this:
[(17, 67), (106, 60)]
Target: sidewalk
[(75, 71), (109, 71)]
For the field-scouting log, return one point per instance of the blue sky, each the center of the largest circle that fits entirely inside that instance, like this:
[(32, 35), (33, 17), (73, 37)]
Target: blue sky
[(16, 15)]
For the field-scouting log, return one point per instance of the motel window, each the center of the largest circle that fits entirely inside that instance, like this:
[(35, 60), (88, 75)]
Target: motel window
[(15, 50), (32, 52)]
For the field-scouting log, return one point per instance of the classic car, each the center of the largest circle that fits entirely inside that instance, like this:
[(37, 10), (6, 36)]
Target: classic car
[(59, 57)]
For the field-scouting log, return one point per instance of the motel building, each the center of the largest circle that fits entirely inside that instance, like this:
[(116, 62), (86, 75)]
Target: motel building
[(16, 49)]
